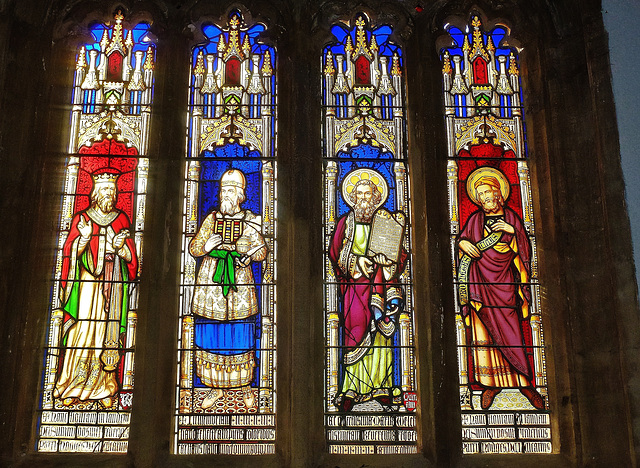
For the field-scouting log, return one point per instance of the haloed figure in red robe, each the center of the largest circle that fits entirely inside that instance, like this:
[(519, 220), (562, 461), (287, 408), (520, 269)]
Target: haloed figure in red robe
[(494, 266)]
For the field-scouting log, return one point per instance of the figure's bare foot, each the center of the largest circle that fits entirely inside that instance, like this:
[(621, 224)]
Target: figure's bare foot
[(214, 395), (248, 397), (69, 401)]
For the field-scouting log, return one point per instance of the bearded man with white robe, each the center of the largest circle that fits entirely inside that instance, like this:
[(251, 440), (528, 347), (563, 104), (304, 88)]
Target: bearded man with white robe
[(225, 303)]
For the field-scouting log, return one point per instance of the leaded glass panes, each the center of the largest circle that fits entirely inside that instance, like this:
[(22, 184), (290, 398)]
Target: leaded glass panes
[(89, 364), (370, 396), (226, 400), (503, 386)]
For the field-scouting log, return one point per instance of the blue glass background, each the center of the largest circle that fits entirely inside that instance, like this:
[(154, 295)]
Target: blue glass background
[(340, 32), (497, 35), (382, 33), (360, 156), (140, 39), (213, 33)]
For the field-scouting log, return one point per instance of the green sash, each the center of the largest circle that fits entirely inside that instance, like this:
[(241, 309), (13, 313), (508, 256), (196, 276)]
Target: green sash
[(463, 270), (225, 273)]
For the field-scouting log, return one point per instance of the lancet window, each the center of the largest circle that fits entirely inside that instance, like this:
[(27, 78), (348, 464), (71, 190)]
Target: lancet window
[(88, 378), (226, 363), (501, 353), (370, 388)]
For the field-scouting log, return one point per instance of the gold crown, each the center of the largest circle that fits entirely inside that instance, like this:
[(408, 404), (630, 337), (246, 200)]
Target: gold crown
[(105, 177)]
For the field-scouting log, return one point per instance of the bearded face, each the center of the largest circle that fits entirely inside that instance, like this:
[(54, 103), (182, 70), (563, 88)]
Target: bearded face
[(105, 197), (229, 200), (490, 199), (364, 211), (365, 202)]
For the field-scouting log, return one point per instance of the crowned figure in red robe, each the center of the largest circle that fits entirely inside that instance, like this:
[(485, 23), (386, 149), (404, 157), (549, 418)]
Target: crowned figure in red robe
[(99, 260)]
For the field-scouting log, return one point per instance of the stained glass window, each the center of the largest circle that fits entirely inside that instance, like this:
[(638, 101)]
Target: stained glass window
[(226, 400), (503, 386), (89, 363), (370, 396)]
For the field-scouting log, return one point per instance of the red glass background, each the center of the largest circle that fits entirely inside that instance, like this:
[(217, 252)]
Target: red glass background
[(109, 154), (114, 67)]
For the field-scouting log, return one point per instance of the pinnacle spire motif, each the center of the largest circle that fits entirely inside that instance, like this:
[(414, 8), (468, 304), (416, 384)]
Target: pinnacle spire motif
[(478, 44), (395, 67), (111, 66), (148, 63), (484, 74), (82, 59), (137, 80), (490, 47), (362, 47), (210, 82), (117, 38), (363, 70), (513, 66), (386, 87), (267, 69), (374, 44), (129, 41), (235, 71), (348, 47), (222, 46), (199, 68), (234, 47), (104, 42), (503, 86), (246, 47), (446, 63), (328, 68), (340, 86)]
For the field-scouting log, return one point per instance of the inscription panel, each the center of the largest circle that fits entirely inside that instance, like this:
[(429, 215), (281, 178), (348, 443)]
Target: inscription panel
[(489, 433)]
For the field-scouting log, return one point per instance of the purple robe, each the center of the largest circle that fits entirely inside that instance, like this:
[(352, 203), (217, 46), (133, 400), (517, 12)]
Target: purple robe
[(495, 282), (356, 293)]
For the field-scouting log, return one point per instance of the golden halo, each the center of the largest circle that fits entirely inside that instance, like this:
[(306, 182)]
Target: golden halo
[(505, 188), (353, 177)]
